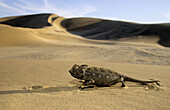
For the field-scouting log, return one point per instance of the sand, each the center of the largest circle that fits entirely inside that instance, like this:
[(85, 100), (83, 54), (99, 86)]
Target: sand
[(35, 60)]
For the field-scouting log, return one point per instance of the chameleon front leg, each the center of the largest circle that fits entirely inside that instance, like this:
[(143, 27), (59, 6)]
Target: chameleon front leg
[(87, 84)]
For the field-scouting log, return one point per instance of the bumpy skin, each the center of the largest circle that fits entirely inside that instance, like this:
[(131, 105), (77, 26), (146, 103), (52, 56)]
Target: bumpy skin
[(102, 77)]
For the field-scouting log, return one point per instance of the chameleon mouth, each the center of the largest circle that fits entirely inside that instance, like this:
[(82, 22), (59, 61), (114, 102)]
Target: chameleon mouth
[(81, 77)]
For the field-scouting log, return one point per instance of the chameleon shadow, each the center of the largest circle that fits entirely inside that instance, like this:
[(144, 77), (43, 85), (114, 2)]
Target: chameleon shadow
[(40, 90)]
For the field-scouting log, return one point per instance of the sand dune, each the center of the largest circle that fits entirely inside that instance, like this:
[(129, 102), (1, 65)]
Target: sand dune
[(47, 26), (37, 30), (117, 30), (37, 51)]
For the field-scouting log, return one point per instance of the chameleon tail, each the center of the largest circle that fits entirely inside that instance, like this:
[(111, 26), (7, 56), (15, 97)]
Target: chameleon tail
[(126, 78)]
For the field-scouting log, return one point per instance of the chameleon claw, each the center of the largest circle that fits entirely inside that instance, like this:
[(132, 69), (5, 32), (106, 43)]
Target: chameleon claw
[(81, 87)]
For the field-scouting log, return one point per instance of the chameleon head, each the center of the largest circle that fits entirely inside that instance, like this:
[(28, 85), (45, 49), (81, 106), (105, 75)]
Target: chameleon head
[(77, 71)]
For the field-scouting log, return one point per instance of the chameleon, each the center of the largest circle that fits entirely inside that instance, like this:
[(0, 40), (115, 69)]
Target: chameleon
[(97, 76)]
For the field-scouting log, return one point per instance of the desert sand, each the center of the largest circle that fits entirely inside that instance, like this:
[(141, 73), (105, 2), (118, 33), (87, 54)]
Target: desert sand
[(37, 51)]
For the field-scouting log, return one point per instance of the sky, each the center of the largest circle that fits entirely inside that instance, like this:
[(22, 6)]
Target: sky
[(141, 11)]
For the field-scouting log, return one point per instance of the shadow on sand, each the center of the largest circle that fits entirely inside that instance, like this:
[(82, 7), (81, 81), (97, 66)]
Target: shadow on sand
[(40, 90)]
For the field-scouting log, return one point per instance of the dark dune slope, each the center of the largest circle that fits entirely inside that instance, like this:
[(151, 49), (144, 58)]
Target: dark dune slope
[(106, 29), (29, 21)]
